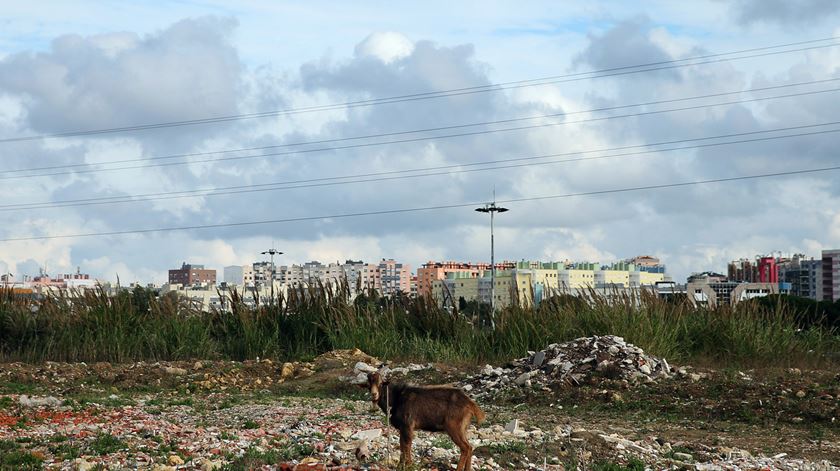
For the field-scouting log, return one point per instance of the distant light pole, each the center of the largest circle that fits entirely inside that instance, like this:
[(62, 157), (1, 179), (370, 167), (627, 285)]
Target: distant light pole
[(492, 209), (272, 252)]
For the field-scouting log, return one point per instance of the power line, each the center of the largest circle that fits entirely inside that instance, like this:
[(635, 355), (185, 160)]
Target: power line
[(413, 139), (419, 209), (412, 173), (459, 126), (448, 169), (549, 80)]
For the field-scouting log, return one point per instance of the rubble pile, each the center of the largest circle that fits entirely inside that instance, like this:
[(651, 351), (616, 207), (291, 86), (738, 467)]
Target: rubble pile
[(361, 370), (570, 363)]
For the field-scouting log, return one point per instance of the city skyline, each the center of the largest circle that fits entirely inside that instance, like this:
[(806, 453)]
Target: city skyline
[(61, 71)]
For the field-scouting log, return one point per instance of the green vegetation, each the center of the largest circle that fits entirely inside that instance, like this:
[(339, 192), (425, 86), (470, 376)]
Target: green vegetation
[(106, 443), (516, 448), (139, 326), (634, 465)]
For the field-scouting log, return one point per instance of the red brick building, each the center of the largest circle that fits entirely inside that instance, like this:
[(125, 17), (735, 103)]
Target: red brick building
[(190, 274)]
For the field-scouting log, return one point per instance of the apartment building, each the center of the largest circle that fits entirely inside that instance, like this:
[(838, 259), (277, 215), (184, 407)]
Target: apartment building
[(831, 275), (190, 274)]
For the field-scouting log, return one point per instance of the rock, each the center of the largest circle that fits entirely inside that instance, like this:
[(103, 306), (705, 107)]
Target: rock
[(582, 434), (47, 401), (521, 379), (198, 365), (211, 465), (488, 370), (83, 465), (175, 460), (800, 394), (287, 371), (683, 456), (364, 368), (171, 370), (369, 434), (362, 452), (360, 378), (539, 357), (163, 467), (439, 453), (512, 426), (645, 369)]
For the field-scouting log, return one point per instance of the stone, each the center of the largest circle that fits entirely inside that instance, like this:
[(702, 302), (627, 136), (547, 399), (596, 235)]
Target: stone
[(171, 370), (175, 460), (369, 434), (645, 369), (520, 380), (683, 456), (800, 394), (362, 452), (198, 365), (512, 426), (539, 357), (47, 401), (83, 465), (287, 371), (211, 465), (488, 371), (364, 367)]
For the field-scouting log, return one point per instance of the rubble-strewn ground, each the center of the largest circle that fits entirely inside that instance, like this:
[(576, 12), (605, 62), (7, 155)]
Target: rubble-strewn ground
[(268, 415)]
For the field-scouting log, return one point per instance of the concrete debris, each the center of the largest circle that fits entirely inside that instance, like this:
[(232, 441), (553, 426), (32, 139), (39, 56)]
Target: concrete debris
[(47, 401), (570, 363)]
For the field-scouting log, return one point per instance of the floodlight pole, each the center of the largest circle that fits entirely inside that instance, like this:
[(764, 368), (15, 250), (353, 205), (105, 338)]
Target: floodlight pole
[(272, 252), (492, 208)]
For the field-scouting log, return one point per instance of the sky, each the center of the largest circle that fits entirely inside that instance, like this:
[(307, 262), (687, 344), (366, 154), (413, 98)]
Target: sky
[(69, 66)]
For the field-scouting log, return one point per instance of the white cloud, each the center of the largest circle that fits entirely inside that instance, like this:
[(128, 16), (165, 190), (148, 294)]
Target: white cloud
[(387, 46), (193, 68)]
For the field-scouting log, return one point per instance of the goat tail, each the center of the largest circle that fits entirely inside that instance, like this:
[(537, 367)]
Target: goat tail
[(477, 412)]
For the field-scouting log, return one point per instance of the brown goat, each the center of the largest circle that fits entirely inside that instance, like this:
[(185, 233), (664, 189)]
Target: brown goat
[(430, 408)]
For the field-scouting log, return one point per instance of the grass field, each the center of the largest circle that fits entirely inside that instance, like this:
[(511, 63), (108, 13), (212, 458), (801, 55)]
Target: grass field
[(139, 326)]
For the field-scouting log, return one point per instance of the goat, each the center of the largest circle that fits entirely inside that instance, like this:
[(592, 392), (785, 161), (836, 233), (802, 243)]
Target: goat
[(429, 408)]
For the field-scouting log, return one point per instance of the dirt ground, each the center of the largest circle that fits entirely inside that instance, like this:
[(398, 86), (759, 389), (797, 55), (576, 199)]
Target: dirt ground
[(269, 415)]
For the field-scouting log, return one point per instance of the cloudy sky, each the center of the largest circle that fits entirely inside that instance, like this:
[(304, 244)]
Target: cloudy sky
[(68, 66)]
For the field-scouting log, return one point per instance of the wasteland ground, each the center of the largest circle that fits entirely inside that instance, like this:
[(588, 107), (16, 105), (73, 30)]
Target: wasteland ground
[(270, 415)]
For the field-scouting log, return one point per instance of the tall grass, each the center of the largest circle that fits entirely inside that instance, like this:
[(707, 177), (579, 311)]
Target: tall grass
[(308, 321)]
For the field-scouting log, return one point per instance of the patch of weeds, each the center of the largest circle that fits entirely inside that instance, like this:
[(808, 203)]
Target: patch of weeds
[(66, 451), (168, 448), (23, 439), (507, 447), (6, 445), (19, 459), (106, 443), (635, 464), (250, 425), (12, 387), (294, 451), (228, 402), (252, 459), (6, 402), (58, 438), (817, 434), (187, 401), (227, 436), (441, 442)]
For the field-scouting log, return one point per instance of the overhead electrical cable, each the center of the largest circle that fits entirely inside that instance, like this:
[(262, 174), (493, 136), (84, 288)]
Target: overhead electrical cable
[(554, 79), (458, 126), (4, 175), (422, 208), (413, 173)]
